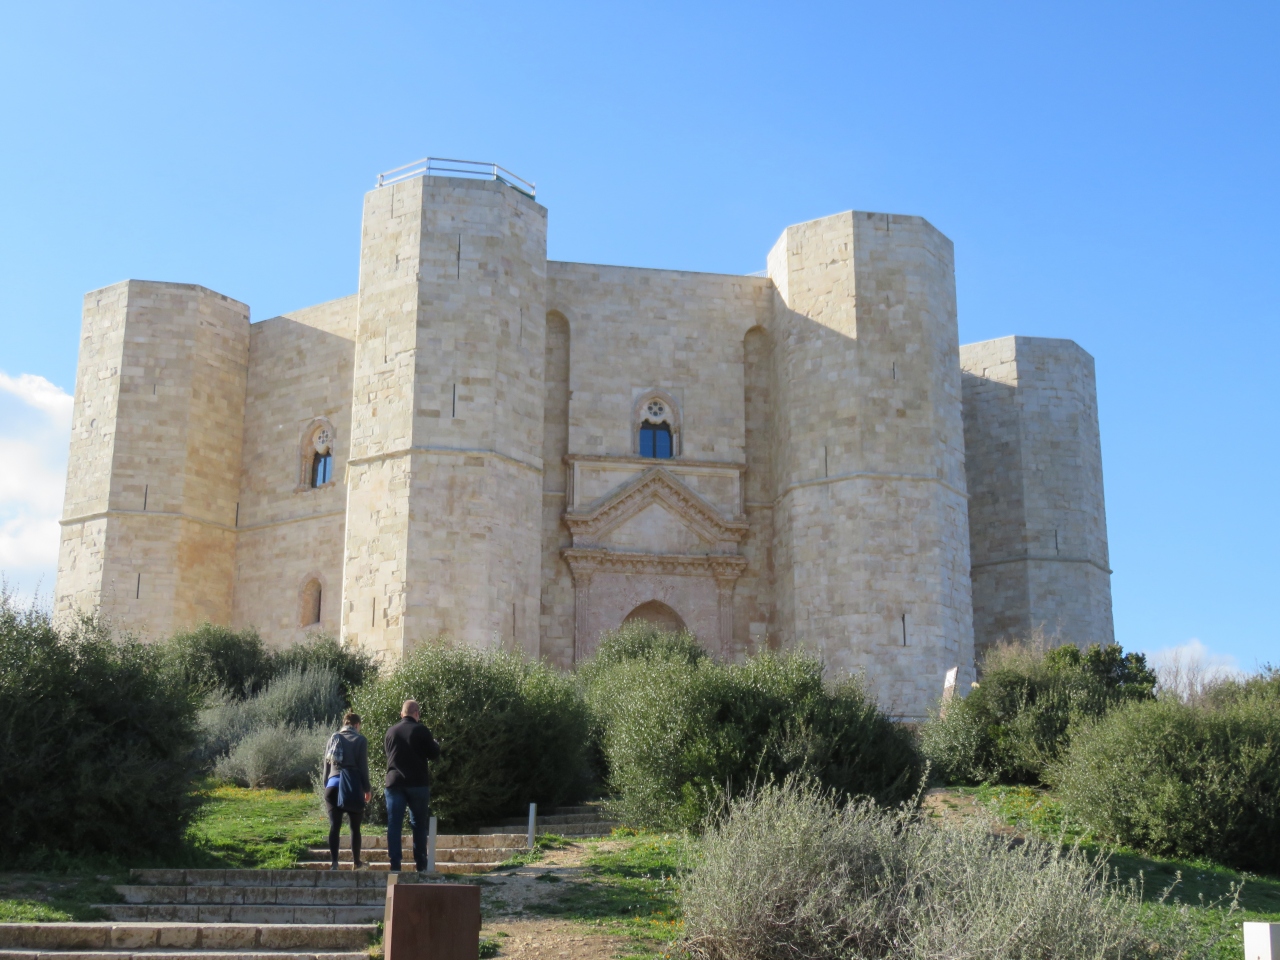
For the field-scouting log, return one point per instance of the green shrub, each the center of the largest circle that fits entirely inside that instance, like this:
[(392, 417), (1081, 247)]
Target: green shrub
[(297, 698), (512, 732), (350, 665), (97, 740), (1174, 778), (1019, 718), (218, 659), (791, 873), (281, 756), (679, 733), (642, 640)]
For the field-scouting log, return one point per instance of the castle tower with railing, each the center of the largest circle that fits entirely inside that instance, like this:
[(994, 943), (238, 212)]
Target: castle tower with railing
[(513, 452)]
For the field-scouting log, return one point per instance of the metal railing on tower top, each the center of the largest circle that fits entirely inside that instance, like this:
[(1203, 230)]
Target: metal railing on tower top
[(443, 167)]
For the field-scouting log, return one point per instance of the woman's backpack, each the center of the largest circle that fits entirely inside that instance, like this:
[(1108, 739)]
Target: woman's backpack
[(335, 752)]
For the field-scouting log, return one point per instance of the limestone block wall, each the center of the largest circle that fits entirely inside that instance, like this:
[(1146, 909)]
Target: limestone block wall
[(557, 600), (1037, 518), (870, 519), (445, 481), (300, 376), (635, 331), (155, 458)]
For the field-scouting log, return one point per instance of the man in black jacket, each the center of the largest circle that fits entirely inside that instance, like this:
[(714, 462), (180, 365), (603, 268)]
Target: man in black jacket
[(409, 747)]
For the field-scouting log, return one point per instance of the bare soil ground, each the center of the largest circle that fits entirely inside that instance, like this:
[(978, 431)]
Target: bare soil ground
[(552, 940)]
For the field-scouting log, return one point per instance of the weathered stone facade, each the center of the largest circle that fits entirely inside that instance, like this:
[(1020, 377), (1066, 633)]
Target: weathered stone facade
[(463, 447)]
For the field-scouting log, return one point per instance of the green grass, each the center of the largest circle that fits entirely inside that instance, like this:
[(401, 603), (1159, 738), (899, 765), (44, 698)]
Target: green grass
[(238, 827), (630, 891), (234, 828), (44, 898), (1196, 883)]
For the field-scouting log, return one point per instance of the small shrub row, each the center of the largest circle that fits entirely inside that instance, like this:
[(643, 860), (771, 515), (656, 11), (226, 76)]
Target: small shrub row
[(238, 664)]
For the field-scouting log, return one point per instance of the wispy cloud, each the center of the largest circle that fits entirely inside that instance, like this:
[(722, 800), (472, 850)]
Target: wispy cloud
[(35, 424)]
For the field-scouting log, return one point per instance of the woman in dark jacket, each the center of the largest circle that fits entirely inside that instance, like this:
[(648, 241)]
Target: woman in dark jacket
[(346, 785)]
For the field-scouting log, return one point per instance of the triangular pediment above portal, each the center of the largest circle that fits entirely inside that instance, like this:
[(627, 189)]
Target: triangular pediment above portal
[(656, 528), (656, 508)]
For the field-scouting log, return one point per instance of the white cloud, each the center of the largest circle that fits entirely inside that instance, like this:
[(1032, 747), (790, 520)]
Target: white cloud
[(39, 393), (35, 426)]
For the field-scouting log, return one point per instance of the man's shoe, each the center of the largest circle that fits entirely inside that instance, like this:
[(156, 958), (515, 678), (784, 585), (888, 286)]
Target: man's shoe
[(358, 865), (334, 865), (394, 870)]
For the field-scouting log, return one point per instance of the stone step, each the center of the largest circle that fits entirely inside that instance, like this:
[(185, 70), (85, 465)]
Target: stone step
[(379, 870), (205, 913), (554, 819), (444, 841), (131, 937), (332, 896), (462, 855), (253, 878), (170, 954), (599, 828)]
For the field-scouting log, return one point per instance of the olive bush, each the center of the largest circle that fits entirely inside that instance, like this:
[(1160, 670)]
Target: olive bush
[(98, 740), (1020, 717), (1183, 779), (513, 732), (680, 732)]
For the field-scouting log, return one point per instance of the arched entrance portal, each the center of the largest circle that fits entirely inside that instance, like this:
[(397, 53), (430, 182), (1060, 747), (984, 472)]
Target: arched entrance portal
[(657, 613)]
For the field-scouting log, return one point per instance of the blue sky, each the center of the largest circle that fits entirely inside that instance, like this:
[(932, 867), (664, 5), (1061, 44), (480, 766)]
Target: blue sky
[(1108, 173)]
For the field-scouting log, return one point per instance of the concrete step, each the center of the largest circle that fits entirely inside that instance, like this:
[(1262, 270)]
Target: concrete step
[(131, 937), (33, 954), (461, 855), (444, 841), (380, 870), (253, 878), (331, 896), (252, 913)]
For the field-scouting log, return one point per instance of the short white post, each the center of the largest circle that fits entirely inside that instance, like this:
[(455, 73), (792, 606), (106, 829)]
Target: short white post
[(431, 845), (1262, 941), (533, 823)]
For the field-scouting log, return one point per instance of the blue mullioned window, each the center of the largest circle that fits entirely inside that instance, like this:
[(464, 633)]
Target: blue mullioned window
[(321, 469), (655, 440)]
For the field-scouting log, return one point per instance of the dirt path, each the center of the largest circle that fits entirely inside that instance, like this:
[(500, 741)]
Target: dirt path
[(510, 901), (551, 940)]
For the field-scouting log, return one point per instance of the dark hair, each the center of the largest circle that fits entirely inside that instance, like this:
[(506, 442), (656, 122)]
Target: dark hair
[(351, 719)]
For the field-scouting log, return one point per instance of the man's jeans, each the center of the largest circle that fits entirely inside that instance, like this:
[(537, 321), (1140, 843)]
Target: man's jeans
[(418, 801)]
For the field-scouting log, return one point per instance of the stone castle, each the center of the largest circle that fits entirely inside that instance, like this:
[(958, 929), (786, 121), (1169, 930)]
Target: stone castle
[(517, 452)]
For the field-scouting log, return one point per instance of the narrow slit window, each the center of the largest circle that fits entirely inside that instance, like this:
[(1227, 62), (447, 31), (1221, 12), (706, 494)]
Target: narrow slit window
[(321, 469), (655, 440)]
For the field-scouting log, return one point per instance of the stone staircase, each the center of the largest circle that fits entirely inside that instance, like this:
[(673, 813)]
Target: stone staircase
[(455, 853), (576, 822), (306, 913), (218, 915)]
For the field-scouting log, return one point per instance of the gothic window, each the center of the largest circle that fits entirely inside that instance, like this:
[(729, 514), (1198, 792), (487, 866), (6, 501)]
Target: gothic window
[(317, 455), (657, 429)]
